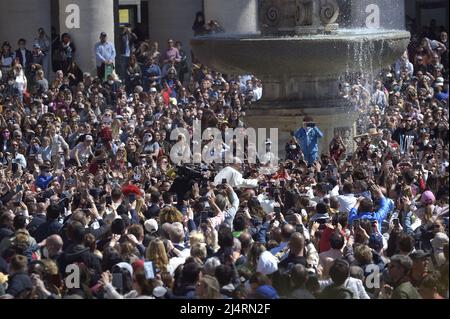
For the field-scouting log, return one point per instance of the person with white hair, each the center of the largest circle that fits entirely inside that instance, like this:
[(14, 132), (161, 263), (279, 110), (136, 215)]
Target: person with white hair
[(438, 242), (209, 268), (403, 63)]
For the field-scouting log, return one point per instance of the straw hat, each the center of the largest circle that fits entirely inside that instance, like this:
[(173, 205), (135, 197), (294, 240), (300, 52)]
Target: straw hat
[(372, 132)]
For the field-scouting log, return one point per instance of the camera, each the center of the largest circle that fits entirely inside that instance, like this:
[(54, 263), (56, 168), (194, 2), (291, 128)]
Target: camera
[(117, 281), (396, 222), (312, 124), (277, 211)]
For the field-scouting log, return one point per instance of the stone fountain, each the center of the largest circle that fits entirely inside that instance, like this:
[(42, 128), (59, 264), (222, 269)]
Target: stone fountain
[(299, 52)]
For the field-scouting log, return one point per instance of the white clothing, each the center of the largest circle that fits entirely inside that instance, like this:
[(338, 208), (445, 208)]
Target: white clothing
[(234, 178)]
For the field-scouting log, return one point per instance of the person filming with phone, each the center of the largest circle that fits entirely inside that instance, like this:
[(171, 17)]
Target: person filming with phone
[(307, 138)]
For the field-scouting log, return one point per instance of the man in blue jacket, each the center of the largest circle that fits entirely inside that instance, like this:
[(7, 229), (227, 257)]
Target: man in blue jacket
[(151, 75), (364, 208), (44, 178), (307, 137)]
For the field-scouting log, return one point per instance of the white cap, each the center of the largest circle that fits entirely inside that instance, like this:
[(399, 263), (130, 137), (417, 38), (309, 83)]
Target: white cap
[(439, 81), (151, 225), (267, 263), (159, 291), (126, 266)]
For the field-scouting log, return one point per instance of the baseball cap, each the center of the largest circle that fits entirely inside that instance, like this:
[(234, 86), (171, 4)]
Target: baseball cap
[(88, 137), (439, 81), (267, 263), (126, 266), (153, 90), (151, 225), (266, 292), (159, 291)]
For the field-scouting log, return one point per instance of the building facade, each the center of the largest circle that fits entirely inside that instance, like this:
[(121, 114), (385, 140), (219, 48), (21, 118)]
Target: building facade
[(156, 20), (84, 20)]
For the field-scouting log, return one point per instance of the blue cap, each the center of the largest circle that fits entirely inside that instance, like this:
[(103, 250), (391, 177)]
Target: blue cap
[(267, 292)]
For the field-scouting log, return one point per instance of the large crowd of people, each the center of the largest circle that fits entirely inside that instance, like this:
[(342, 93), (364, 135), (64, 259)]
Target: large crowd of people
[(92, 205)]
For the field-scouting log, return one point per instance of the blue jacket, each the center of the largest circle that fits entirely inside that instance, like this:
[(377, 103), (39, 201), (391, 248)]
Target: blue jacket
[(50, 227), (387, 205), (42, 181), (308, 143), (152, 70)]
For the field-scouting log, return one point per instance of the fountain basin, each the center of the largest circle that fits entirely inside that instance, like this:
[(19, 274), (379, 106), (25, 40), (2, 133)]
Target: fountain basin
[(301, 55)]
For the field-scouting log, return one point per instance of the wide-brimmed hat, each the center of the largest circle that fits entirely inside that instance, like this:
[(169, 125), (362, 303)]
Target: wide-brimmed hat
[(371, 132), (221, 124)]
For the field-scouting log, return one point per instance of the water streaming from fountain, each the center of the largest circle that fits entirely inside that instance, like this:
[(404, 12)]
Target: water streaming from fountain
[(304, 64)]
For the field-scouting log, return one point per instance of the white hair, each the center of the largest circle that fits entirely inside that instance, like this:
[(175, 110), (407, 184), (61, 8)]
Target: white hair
[(210, 266)]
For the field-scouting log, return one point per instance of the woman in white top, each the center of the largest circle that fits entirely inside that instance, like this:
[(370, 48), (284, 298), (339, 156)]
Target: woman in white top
[(80, 154), (20, 81)]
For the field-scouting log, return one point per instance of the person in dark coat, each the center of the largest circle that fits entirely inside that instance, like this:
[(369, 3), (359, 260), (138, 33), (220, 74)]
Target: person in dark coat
[(51, 225), (78, 253), (19, 283), (6, 225), (39, 218), (24, 56)]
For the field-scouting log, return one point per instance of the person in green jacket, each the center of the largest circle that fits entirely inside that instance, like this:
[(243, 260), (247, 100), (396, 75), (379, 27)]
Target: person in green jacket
[(399, 269)]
